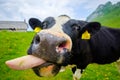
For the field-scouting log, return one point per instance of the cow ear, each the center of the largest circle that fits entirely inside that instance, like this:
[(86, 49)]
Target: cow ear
[(90, 29), (35, 24)]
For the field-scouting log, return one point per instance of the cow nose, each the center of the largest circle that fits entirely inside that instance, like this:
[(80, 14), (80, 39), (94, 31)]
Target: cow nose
[(52, 42)]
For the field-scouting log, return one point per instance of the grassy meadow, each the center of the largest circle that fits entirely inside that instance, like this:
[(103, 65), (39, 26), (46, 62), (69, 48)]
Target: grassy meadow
[(15, 44)]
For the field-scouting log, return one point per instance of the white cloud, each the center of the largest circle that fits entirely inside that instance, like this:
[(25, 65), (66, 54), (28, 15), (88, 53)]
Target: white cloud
[(35, 8), (24, 9), (45, 9)]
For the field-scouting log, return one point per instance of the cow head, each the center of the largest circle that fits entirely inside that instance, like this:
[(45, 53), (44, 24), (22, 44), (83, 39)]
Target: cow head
[(54, 43)]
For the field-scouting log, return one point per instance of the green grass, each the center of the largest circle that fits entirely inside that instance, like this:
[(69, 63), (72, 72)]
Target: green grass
[(15, 44)]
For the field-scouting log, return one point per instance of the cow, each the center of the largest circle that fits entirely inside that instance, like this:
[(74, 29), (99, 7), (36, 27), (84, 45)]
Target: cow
[(77, 42), (63, 41)]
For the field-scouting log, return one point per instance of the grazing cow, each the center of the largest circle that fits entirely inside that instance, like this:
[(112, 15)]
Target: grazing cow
[(64, 41)]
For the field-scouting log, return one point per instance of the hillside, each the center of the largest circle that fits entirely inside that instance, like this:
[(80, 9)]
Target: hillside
[(108, 14)]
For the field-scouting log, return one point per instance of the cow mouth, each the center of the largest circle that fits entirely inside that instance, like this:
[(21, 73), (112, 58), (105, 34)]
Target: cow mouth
[(46, 69), (49, 68), (41, 67)]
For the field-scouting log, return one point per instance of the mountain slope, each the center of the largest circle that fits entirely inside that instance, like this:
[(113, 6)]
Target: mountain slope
[(108, 14)]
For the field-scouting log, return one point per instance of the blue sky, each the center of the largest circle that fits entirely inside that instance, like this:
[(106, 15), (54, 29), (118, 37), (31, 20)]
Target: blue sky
[(17, 10)]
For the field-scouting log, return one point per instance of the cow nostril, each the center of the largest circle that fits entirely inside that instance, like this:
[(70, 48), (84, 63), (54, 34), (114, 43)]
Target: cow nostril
[(37, 39), (62, 45), (60, 48)]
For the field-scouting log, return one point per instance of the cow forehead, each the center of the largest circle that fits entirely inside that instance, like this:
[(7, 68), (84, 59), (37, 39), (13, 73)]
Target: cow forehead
[(59, 21), (62, 19)]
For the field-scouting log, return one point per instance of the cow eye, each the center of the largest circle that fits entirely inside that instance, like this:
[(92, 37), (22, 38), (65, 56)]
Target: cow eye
[(75, 27)]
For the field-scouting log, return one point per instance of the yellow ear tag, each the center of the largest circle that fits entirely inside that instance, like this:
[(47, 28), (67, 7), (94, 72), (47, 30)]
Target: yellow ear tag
[(37, 29), (85, 35)]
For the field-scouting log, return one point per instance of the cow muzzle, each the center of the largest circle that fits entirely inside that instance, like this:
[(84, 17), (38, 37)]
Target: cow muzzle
[(54, 48)]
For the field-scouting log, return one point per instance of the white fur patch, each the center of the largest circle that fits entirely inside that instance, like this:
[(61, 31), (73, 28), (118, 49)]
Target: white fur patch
[(59, 22), (77, 74), (118, 65), (62, 69)]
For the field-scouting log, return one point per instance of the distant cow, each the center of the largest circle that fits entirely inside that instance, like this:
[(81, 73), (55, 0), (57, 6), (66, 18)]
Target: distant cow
[(63, 41)]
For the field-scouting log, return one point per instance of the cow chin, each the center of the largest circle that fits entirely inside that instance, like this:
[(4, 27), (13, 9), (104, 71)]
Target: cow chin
[(52, 63), (46, 69), (50, 69)]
